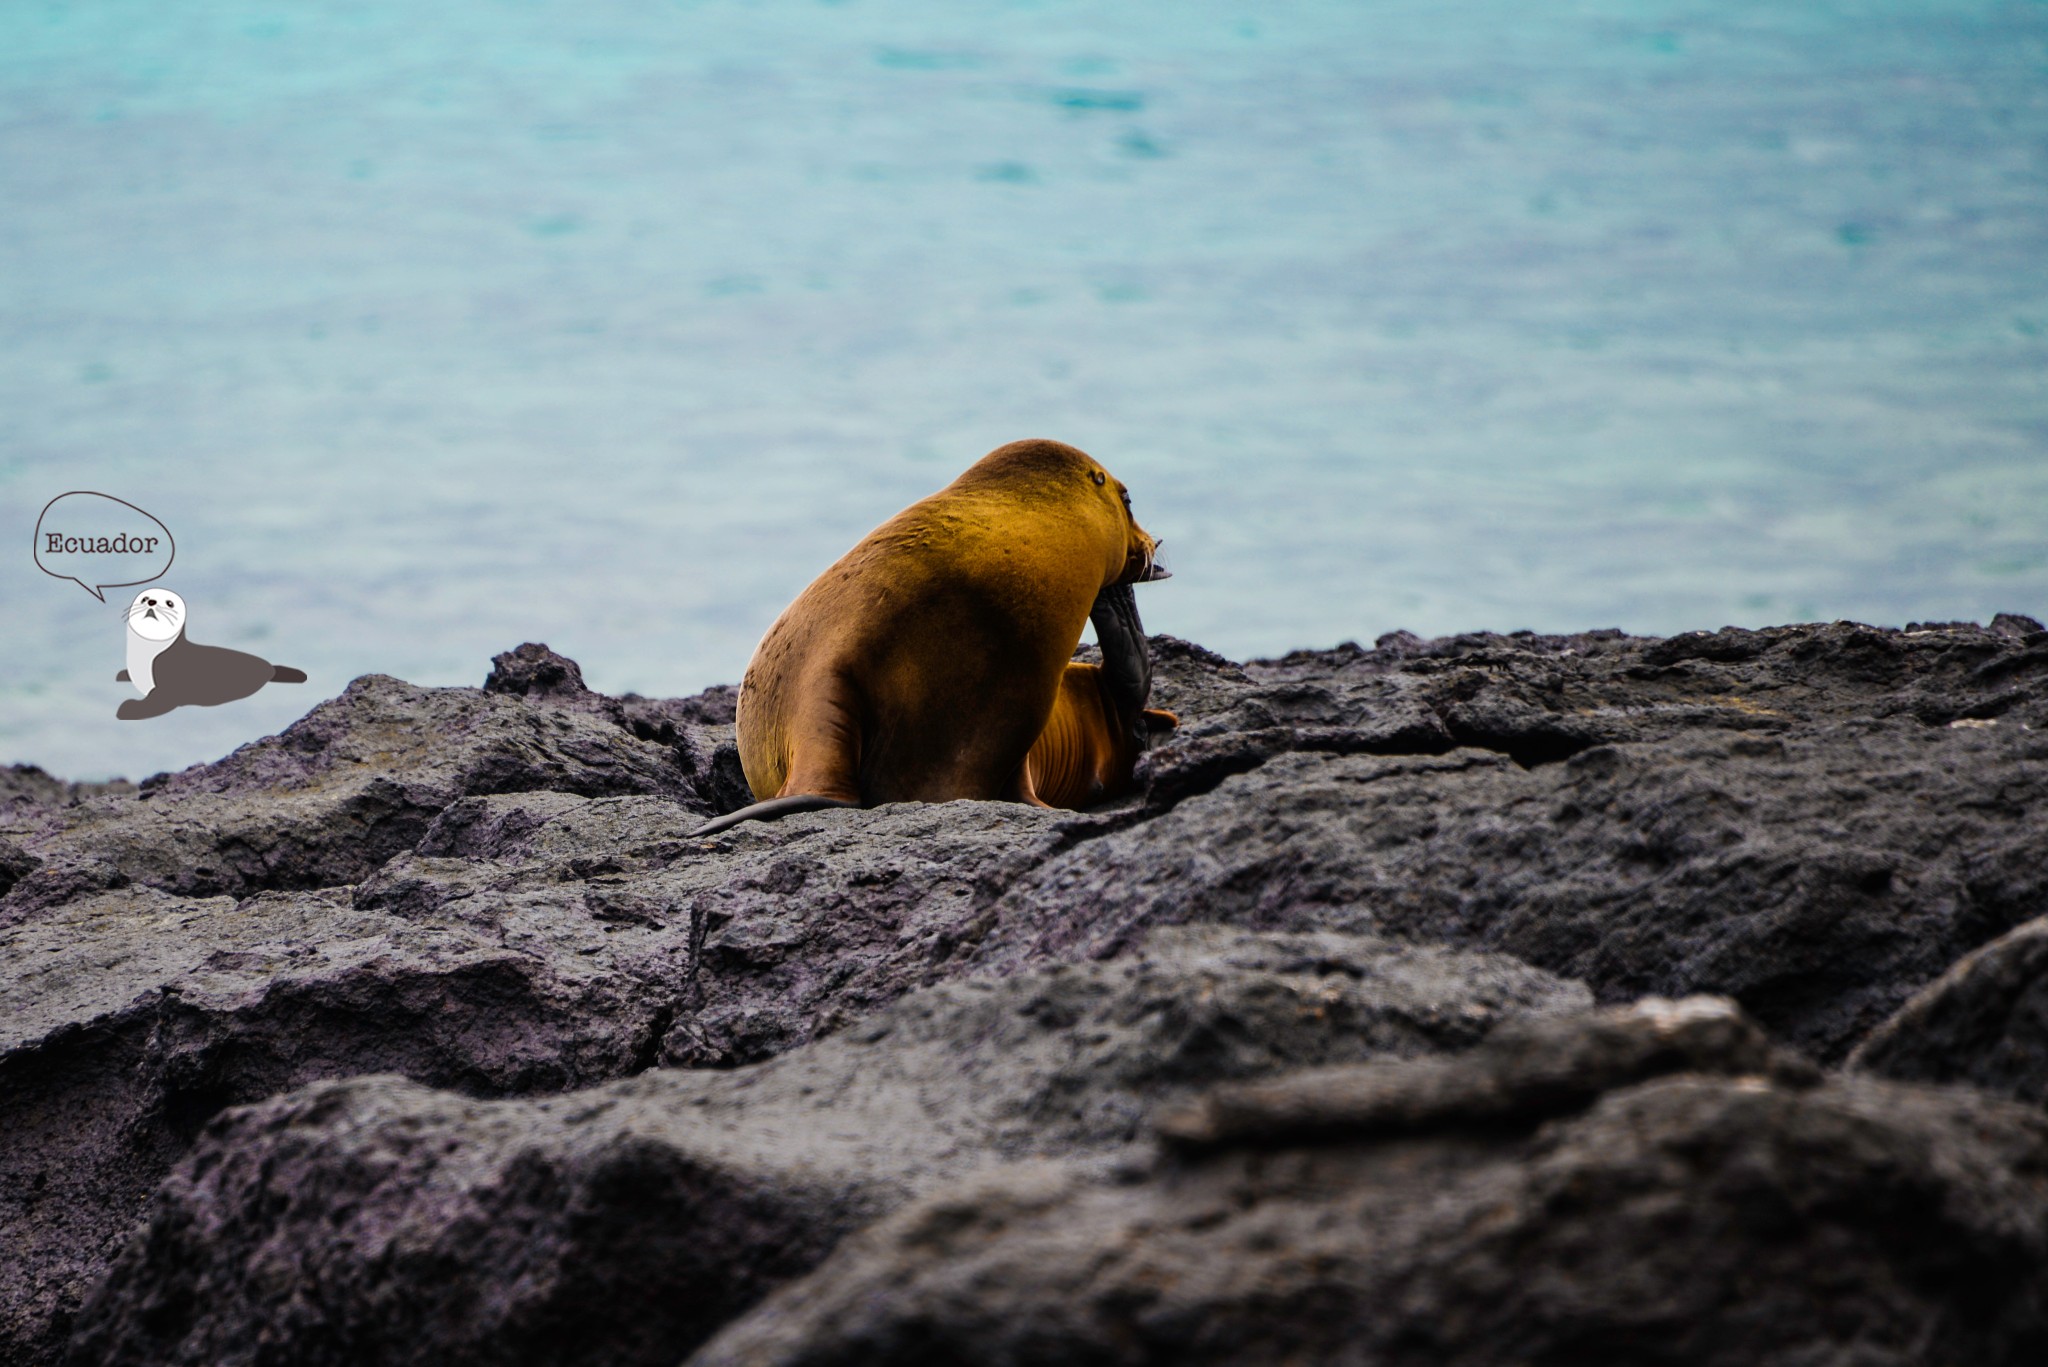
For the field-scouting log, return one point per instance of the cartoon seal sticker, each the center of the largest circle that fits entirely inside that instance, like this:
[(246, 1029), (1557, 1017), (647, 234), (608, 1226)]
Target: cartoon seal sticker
[(170, 671), (925, 662)]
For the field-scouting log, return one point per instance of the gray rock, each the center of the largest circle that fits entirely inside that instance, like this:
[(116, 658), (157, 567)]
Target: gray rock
[(328, 800), (1694, 1217), (1984, 1022), (533, 671), (1541, 699), (602, 943), (489, 891), (30, 799), (377, 1221), (1819, 877), (129, 1018), (1523, 1072), (15, 865), (693, 726)]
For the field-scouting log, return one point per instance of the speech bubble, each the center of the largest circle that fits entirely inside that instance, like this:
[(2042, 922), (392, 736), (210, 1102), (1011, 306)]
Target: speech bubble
[(99, 542)]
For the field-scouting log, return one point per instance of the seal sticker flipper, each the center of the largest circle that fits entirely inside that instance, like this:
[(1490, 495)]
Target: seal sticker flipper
[(136, 709)]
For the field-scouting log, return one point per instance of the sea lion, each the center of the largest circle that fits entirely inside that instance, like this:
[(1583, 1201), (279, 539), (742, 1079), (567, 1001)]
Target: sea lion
[(1099, 724), (170, 671), (925, 662)]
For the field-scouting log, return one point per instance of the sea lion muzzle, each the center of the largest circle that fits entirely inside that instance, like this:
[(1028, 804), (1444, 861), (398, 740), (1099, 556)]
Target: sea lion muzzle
[(1155, 569)]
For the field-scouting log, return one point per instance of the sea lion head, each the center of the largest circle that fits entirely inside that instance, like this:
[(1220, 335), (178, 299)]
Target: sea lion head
[(156, 615), (1141, 554), (1056, 470)]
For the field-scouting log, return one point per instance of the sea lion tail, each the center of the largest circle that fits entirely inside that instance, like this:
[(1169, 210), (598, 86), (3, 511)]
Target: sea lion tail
[(772, 808), (286, 674)]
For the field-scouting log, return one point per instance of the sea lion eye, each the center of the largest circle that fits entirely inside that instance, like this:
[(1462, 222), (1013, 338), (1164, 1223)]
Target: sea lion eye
[(1098, 477)]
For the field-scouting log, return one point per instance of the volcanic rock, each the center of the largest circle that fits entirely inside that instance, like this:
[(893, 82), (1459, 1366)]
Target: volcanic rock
[(1984, 1022), (1818, 875), (375, 1220), (356, 781), (1710, 1215), (492, 892)]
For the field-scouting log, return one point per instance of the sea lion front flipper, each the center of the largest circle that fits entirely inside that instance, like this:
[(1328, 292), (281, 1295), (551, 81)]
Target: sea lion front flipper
[(768, 811), (1126, 664)]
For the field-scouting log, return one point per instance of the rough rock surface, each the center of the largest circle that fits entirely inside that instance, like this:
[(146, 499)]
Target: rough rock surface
[(1814, 820), (490, 891), (605, 946), (1819, 878), (356, 1221), (1520, 1075), (328, 800), (1712, 1215), (1984, 1022)]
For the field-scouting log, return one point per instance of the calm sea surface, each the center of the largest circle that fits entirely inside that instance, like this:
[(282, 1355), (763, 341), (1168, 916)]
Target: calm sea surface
[(431, 329)]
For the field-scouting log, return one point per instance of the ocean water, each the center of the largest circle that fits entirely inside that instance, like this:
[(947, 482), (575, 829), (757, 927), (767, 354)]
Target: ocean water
[(428, 330)]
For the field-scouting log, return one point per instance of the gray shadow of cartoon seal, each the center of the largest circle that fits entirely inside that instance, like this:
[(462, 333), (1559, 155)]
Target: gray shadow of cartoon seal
[(170, 671)]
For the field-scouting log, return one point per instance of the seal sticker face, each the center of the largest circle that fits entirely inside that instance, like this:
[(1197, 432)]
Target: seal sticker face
[(156, 615)]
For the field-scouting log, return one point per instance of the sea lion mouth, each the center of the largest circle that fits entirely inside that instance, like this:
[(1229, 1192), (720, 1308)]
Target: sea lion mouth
[(1155, 567)]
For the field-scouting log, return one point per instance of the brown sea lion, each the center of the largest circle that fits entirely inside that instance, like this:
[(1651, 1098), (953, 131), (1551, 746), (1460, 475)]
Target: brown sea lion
[(923, 664), (1099, 724)]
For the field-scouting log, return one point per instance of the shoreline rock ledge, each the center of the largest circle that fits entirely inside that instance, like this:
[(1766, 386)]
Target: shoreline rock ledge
[(1495, 998)]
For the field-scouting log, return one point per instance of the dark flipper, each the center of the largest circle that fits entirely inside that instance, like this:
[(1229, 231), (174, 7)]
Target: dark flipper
[(1126, 665), (122, 677), (135, 709), (772, 808), (286, 674)]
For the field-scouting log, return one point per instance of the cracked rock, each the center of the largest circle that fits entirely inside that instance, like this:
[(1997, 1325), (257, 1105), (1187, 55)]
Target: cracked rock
[(378, 1221), (1984, 1022), (1687, 1217), (492, 892)]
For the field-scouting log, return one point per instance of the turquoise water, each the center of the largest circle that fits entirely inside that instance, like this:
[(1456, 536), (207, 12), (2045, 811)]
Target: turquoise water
[(432, 329)]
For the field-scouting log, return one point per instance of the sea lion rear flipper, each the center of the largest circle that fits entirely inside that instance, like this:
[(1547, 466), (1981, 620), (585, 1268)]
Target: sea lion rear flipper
[(286, 674), (1025, 789), (769, 810)]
